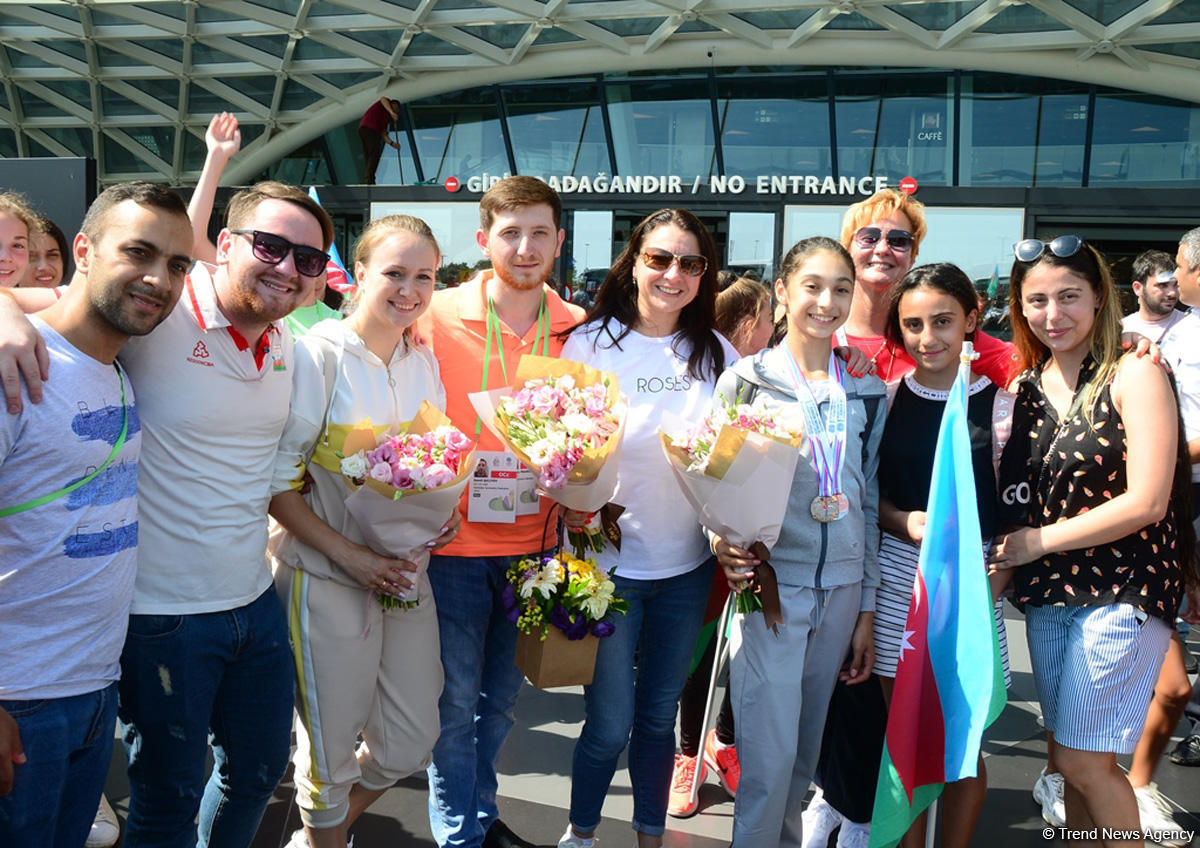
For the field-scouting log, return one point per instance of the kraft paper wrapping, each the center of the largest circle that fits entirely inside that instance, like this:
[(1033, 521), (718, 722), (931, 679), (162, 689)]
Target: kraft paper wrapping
[(591, 483), (719, 494), (556, 660)]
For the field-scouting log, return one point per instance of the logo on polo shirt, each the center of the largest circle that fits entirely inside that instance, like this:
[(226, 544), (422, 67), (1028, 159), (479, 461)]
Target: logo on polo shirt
[(200, 354)]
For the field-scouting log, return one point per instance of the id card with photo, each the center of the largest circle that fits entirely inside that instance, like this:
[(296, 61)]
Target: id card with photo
[(493, 491)]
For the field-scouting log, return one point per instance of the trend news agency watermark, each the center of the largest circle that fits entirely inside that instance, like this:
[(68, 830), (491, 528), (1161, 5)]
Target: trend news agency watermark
[(1105, 833)]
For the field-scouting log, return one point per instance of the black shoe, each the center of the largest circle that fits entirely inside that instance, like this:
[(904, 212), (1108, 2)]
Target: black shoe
[(1187, 752), (1190, 664), (499, 836)]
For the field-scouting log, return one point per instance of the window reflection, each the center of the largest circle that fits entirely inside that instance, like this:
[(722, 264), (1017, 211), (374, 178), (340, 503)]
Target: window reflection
[(458, 134), (1143, 140), (896, 127), (775, 126), (999, 116), (662, 127), (557, 130), (1062, 130)]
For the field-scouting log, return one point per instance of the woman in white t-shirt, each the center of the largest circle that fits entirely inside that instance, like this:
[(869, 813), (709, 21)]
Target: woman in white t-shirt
[(652, 326)]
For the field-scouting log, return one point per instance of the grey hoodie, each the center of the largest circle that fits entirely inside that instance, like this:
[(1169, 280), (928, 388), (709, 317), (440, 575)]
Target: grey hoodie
[(808, 552)]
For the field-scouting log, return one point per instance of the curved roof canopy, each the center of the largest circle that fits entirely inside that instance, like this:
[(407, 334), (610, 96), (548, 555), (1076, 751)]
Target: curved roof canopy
[(134, 83)]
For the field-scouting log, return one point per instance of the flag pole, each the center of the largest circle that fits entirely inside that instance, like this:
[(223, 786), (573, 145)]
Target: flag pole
[(965, 358)]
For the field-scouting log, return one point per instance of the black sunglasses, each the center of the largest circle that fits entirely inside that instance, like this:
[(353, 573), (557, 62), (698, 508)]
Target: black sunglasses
[(901, 240), (1030, 250), (273, 249), (660, 260)]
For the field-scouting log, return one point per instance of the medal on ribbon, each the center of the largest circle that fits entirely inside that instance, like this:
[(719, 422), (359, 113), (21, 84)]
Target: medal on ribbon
[(827, 441)]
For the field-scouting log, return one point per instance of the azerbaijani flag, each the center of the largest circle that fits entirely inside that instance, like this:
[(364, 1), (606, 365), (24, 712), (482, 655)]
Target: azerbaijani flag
[(950, 680), (994, 283), (335, 272)]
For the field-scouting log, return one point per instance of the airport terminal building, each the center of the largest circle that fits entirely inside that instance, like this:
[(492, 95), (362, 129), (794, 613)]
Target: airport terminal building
[(766, 118)]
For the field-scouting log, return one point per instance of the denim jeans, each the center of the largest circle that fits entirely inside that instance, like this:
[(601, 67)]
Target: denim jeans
[(68, 744), (223, 678), (636, 706), (478, 698)]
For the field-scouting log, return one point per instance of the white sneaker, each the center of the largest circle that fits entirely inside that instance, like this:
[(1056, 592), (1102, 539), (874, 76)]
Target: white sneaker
[(572, 840), (818, 821), (1048, 791), (854, 835), (1155, 812), (105, 830)]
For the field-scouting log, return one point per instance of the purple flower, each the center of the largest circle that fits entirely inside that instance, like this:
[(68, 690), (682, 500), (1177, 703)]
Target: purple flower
[(508, 597), (573, 629), (603, 627)]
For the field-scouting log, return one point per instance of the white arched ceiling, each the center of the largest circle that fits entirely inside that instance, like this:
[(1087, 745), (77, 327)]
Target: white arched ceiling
[(133, 84)]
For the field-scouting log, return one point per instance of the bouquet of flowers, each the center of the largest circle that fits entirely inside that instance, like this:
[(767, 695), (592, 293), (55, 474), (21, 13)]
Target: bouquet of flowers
[(717, 461), (575, 595), (406, 482), (564, 421)]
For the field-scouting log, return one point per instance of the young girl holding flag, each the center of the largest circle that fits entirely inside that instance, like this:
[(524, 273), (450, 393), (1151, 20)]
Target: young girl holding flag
[(825, 560)]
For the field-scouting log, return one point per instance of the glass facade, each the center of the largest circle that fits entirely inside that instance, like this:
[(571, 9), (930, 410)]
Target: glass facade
[(947, 128)]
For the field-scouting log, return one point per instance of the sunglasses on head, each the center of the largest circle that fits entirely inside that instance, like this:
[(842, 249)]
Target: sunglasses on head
[(660, 260), (1030, 250), (1166, 277), (273, 249), (901, 240)]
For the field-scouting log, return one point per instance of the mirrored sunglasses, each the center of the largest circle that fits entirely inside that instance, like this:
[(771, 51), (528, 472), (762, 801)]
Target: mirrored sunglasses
[(660, 260), (901, 240), (273, 249), (1030, 250)]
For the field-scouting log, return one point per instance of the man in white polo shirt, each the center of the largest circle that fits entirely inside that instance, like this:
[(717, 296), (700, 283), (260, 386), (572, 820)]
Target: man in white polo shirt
[(207, 650), (69, 522)]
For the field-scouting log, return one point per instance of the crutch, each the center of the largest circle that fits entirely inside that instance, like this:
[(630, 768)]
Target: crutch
[(720, 657)]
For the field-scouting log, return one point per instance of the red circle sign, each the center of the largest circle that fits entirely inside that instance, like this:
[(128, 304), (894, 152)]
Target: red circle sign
[(908, 185), (452, 184)]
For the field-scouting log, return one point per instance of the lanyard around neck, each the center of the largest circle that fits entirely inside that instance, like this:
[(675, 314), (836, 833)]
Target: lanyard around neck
[(494, 330), (83, 481)]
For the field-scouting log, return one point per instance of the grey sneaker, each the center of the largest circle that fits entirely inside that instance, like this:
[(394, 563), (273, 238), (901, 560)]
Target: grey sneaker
[(1048, 791)]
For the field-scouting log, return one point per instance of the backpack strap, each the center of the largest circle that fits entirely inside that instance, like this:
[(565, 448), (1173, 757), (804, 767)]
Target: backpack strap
[(1002, 421)]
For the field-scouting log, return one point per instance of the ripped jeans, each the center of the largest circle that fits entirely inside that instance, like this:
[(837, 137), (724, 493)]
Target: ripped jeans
[(223, 678)]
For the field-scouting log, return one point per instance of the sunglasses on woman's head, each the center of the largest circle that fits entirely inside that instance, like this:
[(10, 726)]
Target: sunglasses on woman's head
[(901, 240), (1030, 250), (660, 260), (273, 249)]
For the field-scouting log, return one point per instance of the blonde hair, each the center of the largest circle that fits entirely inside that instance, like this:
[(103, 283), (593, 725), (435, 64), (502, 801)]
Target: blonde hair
[(379, 230), (881, 204), (740, 306), (15, 204)]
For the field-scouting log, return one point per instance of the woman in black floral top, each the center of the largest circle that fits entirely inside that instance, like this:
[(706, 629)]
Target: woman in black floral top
[(1087, 476)]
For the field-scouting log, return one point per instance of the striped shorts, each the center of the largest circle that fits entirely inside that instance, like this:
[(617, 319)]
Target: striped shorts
[(897, 573), (1094, 668)]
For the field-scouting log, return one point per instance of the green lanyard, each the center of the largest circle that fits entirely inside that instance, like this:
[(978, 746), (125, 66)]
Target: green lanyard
[(493, 328), (45, 499)]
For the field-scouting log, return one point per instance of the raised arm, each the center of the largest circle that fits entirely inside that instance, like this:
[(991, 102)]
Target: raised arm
[(223, 139)]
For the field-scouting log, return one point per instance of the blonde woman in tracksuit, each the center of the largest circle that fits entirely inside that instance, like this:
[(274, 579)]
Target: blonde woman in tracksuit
[(824, 560), (359, 668)]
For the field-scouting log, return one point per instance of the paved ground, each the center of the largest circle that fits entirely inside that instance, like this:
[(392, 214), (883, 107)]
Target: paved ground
[(535, 782)]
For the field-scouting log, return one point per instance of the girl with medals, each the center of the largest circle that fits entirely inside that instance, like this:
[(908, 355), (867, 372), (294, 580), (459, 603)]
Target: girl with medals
[(931, 312), (824, 564)]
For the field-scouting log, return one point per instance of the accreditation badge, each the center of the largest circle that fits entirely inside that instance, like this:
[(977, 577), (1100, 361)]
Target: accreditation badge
[(493, 488)]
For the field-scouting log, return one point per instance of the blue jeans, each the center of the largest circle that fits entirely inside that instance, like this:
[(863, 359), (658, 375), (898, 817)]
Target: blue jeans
[(68, 744), (478, 698), (223, 678), (636, 706)]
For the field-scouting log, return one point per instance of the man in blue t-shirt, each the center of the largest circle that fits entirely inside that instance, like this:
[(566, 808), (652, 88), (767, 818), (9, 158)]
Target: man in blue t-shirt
[(68, 507)]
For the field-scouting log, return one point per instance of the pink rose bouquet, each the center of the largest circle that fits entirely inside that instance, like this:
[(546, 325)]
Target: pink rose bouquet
[(564, 421), (405, 485)]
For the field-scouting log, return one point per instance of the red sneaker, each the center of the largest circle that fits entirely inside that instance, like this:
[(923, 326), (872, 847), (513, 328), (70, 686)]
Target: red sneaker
[(723, 760), (686, 779)]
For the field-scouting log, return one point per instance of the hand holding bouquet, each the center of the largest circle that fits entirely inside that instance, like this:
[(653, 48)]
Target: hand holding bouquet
[(717, 461), (405, 485), (564, 421)]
